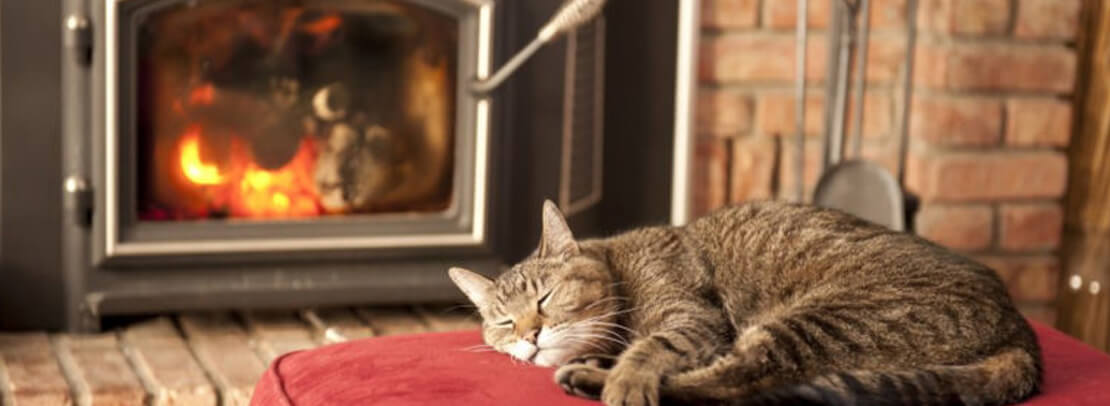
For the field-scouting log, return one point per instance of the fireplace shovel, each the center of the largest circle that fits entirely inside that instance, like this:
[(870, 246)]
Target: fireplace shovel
[(856, 186)]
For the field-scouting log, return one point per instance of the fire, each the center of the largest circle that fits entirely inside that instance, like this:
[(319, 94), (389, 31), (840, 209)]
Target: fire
[(243, 189), (195, 170)]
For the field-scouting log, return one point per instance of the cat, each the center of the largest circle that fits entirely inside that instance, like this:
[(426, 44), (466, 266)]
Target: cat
[(761, 303)]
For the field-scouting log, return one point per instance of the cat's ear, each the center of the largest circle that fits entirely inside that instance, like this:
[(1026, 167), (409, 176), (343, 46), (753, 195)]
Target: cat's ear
[(476, 287), (556, 239)]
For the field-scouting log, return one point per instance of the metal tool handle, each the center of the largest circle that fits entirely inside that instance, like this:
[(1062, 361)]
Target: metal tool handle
[(862, 44), (572, 14), (802, 32)]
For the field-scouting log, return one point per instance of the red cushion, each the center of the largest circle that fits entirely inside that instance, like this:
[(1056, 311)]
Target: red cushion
[(438, 369)]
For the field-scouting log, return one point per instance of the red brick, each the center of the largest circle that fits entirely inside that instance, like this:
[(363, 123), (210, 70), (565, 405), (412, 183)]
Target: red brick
[(729, 14), (1043, 68), (1031, 227), (964, 17), (885, 58), (884, 154), (387, 321), (723, 112), (756, 57), (776, 113), (1038, 122), (963, 228), (956, 121), (753, 164), (1028, 278), (783, 14), (971, 176), (1047, 19), (33, 376), (710, 174), (788, 155), (760, 57)]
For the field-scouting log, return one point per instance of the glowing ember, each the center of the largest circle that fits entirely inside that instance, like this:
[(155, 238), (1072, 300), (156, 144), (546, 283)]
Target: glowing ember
[(247, 190), (194, 169)]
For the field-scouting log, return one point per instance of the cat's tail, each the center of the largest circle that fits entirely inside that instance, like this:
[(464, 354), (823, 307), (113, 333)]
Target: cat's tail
[(1006, 377)]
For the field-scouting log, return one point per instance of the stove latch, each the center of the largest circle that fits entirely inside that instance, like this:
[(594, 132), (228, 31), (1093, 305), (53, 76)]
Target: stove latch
[(79, 38), (78, 200)]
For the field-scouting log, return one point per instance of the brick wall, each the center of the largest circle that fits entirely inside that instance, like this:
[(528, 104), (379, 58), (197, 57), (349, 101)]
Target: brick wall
[(990, 119)]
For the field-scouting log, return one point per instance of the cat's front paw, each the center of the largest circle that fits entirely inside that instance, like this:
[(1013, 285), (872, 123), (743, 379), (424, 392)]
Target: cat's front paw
[(631, 387), (581, 379), (603, 361)]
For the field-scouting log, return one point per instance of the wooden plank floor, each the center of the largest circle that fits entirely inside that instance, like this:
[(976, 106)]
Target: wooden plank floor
[(190, 359)]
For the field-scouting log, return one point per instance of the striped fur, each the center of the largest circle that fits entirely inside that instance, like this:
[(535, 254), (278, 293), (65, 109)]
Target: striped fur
[(760, 304)]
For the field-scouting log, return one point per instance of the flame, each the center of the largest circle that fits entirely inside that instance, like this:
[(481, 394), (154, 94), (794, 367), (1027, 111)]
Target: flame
[(244, 189), (286, 192), (195, 170), (323, 26), (203, 94)]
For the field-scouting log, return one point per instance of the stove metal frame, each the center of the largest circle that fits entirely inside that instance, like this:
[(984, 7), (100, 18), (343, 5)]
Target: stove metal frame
[(120, 236)]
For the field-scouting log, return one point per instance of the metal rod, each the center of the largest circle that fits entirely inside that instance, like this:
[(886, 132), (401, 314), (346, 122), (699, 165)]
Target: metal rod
[(907, 90), (864, 21), (836, 149), (832, 51), (486, 86), (800, 100), (570, 16)]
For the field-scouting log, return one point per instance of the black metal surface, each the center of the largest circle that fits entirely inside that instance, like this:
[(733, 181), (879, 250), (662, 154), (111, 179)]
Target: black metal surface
[(640, 55), (30, 188)]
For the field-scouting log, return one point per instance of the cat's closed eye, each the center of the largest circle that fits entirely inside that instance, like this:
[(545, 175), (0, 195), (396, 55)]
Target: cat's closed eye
[(504, 323)]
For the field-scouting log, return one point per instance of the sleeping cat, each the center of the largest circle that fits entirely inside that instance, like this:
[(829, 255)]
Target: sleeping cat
[(764, 303)]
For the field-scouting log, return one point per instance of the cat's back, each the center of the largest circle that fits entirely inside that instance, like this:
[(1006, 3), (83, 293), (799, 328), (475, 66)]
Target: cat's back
[(789, 237)]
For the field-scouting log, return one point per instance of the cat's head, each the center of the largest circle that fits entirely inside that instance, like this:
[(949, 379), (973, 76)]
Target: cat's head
[(557, 304)]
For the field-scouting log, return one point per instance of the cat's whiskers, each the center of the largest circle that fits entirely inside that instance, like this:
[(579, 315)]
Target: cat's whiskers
[(621, 342), (479, 348), (631, 332)]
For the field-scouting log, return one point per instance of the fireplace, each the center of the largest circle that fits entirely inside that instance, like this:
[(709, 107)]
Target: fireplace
[(292, 153)]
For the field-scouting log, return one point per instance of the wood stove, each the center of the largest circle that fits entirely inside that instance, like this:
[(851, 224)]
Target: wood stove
[(289, 153)]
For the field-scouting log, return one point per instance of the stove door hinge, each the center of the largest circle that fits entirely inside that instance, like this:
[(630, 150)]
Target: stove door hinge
[(78, 200), (79, 38)]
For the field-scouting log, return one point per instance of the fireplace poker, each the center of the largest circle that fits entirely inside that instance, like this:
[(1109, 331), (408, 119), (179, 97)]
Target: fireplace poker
[(572, 14)]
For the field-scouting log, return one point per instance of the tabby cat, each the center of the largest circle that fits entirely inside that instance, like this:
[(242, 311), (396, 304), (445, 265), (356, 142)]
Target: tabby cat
[(764, 303)]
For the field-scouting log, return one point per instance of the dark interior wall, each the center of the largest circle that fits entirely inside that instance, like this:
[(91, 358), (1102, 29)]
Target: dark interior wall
[(639, 112), (30, 179)]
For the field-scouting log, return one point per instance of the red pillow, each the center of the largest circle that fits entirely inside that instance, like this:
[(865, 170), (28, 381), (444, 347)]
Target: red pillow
[(442, 369)]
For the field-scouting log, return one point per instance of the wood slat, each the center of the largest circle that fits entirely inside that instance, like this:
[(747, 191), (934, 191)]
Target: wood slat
[(386, 321), (1084, 298), (333, 325)]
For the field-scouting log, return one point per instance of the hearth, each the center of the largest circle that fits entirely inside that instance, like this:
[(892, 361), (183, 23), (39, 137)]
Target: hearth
[(291, 153)]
